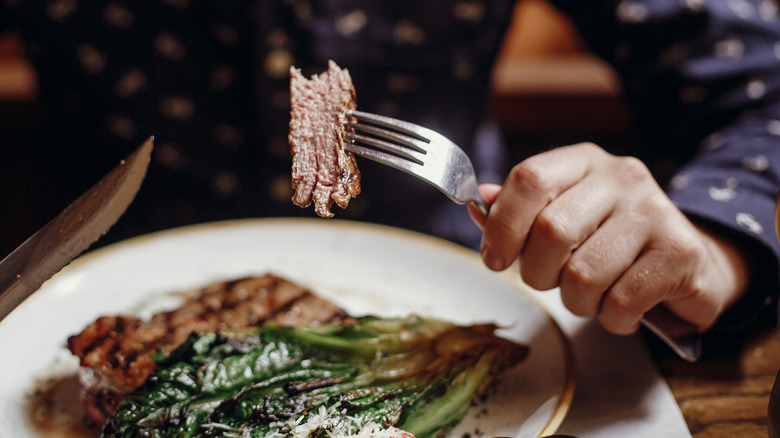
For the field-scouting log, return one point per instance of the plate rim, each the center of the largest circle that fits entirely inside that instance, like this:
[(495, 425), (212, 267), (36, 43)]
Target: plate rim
[(566, 394)]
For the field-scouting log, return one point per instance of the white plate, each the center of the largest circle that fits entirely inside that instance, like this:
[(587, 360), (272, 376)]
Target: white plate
[(363, 268)]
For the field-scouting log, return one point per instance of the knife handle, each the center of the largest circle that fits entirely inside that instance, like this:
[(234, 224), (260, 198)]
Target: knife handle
[(681, 336)]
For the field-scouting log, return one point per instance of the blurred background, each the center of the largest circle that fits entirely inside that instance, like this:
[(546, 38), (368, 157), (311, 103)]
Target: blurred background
[(547, 91)]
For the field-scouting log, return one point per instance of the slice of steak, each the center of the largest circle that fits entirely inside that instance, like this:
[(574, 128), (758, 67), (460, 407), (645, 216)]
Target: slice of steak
[(117, 352), (322, 171)]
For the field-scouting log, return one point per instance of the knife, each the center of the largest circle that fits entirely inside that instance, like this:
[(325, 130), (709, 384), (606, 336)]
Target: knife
[(71, 232), (682, 337)]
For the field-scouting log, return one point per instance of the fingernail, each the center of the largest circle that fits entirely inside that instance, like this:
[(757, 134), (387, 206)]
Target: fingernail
[(492, 260)]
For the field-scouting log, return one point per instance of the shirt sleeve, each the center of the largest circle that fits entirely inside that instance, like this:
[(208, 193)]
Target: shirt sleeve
[(729, 89), (703, 79), (732, 184)]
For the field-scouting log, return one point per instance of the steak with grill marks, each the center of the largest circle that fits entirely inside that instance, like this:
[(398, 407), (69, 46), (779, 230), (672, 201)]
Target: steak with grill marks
[(117, 352)]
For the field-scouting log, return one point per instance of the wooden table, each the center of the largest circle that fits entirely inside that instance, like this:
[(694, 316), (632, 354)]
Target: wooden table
[(726, 394)]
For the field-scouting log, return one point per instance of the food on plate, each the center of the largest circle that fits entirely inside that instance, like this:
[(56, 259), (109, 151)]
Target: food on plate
[(262, 356), (416, 376), (322, 171), (117, 353)]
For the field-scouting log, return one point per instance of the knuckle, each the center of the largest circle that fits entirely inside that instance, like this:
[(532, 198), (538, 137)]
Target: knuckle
[(623, 314), (590, 147), (579, 275), (577, 303), (535, 276), (677, 254), (619, 303), (580, 289), (684, 246), (532, 279), (622, 326), (654, 206), (531, 174), (630, 170), (554, 228)]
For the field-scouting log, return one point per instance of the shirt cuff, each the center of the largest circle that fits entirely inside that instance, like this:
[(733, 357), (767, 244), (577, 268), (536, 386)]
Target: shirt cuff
[(748, 219)]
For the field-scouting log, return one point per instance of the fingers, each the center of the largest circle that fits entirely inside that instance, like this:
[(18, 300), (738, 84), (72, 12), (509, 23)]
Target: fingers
[(599, 263), (646, 283), (530, 187), (561, 228), (597, 226), (490, 193), (637, 259)]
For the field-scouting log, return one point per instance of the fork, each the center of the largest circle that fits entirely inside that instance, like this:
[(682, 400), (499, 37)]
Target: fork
[(431, 156), (416, 150)]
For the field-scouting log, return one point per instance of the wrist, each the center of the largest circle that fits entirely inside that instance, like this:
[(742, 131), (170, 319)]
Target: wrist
[(732, 264), (716, 285)]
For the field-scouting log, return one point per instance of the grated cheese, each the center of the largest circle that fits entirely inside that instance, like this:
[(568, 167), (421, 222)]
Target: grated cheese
[(338, 425)]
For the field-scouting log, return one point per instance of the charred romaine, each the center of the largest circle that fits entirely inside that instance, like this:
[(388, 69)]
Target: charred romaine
[(365, 375)]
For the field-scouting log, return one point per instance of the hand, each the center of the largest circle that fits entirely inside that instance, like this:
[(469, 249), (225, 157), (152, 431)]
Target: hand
[(600, 228)]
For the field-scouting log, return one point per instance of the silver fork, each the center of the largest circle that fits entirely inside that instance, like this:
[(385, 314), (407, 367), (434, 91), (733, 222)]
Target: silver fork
[(417, 150), (431, 156)]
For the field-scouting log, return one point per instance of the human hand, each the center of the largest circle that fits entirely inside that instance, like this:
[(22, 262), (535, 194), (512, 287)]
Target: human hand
[(600, 228)]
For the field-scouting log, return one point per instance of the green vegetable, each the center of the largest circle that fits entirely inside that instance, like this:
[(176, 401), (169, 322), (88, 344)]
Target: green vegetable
[(319, 381)]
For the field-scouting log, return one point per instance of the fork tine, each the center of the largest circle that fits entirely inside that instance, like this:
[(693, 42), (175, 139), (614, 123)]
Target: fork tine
[(402, 126), (416, 150), (394, 136), (383, 157), (393, 148)]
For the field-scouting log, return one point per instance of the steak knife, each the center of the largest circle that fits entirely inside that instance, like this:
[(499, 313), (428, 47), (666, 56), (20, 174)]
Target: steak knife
[(72, 231)]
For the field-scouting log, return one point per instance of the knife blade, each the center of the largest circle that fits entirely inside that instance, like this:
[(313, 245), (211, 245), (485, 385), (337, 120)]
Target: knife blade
[(72, 231)]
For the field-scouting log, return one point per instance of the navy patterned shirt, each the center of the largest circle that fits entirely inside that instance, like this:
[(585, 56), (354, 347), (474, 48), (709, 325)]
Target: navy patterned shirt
[(209, 80)]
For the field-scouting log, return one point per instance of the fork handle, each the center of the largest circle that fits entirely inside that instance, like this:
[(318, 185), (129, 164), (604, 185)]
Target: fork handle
[(482, 206)]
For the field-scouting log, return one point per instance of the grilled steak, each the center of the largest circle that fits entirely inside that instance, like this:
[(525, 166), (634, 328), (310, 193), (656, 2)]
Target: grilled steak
[(116, 352), (322, 171)]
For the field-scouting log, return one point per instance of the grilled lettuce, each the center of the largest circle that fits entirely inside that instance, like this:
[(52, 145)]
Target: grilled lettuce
[(321, 381)]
